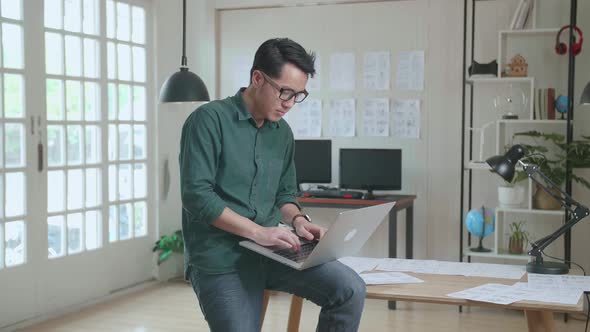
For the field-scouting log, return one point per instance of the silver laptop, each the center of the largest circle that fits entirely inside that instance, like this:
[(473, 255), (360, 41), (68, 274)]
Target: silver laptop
[(345, 237)]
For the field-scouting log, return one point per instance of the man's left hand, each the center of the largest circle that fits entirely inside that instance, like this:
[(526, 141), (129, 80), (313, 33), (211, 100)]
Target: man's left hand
[(308, 230)]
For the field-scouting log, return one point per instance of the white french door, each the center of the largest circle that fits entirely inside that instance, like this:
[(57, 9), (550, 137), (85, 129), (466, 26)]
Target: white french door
[(76, 213)]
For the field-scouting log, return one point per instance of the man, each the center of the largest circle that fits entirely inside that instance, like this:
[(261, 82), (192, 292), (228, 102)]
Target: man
[(238, 181)]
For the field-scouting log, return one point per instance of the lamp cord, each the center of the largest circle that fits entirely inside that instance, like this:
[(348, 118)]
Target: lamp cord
[(585, 292), (183, 61)]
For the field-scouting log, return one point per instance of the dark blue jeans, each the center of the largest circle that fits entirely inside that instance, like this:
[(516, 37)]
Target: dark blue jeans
[(233, 301)]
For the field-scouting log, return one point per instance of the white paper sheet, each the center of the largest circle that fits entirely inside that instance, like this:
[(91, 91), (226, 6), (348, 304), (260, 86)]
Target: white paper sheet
[(314, 84), (342, 117), (360, 264), (376, 117), (406, 118), (305, 119), (410, 71), (376, 70), (551, 281), (241, 72), (342, 71), (384, 278), (493, 293)]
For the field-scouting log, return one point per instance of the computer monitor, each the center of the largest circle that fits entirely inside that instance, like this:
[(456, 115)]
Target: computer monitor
[(313, 161), (371, 169)]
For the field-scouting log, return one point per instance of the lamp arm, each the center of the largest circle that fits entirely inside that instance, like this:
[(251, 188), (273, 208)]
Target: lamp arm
[(183, 59)]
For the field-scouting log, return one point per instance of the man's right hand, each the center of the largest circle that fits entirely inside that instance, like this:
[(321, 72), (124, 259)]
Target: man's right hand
[(276, 236)]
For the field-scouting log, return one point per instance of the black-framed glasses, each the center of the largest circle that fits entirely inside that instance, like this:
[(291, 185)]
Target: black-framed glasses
[(286, 94)]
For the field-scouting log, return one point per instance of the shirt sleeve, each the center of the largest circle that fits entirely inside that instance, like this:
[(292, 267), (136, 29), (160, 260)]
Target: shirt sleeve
[(200, 150), (288, 183)]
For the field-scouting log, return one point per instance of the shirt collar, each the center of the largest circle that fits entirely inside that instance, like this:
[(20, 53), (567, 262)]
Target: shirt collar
[(244, 114)]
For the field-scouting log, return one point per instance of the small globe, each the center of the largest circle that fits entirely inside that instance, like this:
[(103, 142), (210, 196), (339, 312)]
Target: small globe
[(475, 222), (561, 104)]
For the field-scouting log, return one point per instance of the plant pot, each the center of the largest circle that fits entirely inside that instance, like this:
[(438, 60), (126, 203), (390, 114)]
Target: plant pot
[(515, 246), (543, 201), (510, 196)]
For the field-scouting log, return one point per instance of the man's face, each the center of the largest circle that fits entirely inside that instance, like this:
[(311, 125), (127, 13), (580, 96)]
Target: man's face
[(269, 105)]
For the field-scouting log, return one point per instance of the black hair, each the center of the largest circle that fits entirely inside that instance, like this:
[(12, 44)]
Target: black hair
[(274, 53)]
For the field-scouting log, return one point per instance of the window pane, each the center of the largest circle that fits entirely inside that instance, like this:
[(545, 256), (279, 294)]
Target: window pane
[(125, 181), (55, 100), (75, 189), (53, 14), (13, 96), (93, 187), (14, 243), (73, 56), (1, 160), (74, 233), (73, 100), (113, 147), (15, 202), (112, 100), (112, 183), (139, 180), (110, 19), (12, 9), (72, 16), (111, 63), (12, 39), (1, 204), (55, 145), (139, 103), (138, 25), (125, 218), (93, 233), (124, 142), (14, 141), (90, 17), (74, 142), (124, 62), (124, 102), (123, 21), (55, 236), (92, 144), (56, 186), (112, 223), (139, 64), (139, 142), (91, 67), (91, 101), (140, 216), (53, 53)]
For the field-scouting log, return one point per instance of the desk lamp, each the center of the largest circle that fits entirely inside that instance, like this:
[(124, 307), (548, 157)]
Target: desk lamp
[(504, 166)]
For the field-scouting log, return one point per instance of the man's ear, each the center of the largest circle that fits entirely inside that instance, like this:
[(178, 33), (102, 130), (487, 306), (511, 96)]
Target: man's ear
[(257, 78)]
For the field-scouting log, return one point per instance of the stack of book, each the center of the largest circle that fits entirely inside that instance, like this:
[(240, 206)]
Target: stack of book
[(522, 14), (544, 108)]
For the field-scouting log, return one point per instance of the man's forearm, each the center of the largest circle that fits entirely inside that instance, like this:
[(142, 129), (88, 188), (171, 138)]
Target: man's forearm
[(289, 211), (234, 223)]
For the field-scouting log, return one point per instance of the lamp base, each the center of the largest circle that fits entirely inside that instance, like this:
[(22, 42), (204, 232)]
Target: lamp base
[(480, 249), (547, 268)]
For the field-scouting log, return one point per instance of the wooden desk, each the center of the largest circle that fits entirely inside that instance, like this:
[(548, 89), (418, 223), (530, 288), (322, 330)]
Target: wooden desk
[(434, 289), (402, 202)]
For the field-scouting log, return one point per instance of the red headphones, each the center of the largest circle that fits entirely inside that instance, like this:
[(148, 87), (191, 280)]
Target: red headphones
[(561, 48)]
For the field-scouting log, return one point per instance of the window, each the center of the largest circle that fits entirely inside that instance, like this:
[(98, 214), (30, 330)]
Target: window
[(13, 179)]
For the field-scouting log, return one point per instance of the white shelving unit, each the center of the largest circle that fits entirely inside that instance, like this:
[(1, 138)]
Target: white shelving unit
[(529, 43)]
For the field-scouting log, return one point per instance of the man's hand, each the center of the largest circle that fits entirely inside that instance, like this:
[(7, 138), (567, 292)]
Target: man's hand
[(308, 230), (276, 236)]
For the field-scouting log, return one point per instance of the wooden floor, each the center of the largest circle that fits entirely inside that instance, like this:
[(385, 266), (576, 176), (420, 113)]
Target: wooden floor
[(173, 306)]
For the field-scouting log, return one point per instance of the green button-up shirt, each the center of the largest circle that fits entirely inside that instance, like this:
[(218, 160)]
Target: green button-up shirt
[(225, 161)]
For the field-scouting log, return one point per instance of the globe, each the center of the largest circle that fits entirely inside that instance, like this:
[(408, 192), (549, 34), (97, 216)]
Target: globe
[(561, 105), (475, 222)]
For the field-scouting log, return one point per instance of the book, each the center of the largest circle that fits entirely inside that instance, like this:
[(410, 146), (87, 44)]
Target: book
[(551, 104)]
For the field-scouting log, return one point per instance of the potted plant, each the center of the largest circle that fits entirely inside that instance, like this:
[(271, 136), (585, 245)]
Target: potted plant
[(552, 163), (169, 244), (519, 238)]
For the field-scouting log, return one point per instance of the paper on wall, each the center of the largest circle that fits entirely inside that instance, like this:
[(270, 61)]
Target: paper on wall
[(376, 117), (342, 117), (376, 70), (305, 119), (406, 118), (314, 83), (410, 71), (342, 71)]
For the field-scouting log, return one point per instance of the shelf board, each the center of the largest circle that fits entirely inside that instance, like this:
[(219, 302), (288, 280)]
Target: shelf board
[(531, 211), (530, 32), (478, 165), (529, 121), (497, 80), (501, 255)]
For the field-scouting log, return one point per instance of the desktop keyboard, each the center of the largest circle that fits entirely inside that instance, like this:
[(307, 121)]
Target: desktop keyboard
[(332, 194), (307, 247)]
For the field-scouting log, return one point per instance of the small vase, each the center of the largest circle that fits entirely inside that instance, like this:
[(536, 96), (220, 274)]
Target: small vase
[(543, 201), (515, 246), (510, 196)]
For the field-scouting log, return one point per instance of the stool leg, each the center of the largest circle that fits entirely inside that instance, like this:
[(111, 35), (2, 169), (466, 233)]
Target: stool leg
[(264, 305), (295, 314)]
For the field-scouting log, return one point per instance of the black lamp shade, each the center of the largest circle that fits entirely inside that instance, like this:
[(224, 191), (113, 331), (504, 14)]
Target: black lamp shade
[(585, 99), (505, 164), (183, 86)]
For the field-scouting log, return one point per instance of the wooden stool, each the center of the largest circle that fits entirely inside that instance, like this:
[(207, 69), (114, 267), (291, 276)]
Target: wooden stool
[(294, 311)]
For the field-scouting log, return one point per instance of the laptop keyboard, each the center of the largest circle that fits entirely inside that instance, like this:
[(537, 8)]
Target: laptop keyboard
[(307, 247)]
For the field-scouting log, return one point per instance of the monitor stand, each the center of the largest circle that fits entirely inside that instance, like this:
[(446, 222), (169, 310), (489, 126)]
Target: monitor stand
[(369, 195)]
